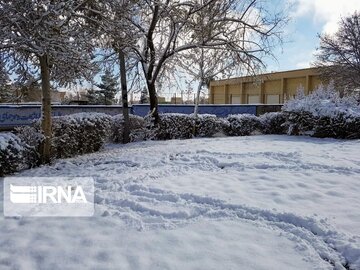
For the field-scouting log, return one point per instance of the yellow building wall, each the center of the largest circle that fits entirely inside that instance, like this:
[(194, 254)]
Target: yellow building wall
[(292, 84), (272, 92), (219, 95), (272, 87), (269, 88), (161, 100), (315, 82), (234, 92)]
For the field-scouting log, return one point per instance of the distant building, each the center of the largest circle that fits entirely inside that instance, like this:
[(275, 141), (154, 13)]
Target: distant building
[(176, 100), (77, 96), (35, 95), (270, 88), (161, 100), (30, 94)]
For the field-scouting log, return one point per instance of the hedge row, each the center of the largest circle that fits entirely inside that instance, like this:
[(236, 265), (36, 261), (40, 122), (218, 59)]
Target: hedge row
[(183, 126), (341, 126), (15, 155), (87, 132), (324, 113), (72, 135), (137, 128)]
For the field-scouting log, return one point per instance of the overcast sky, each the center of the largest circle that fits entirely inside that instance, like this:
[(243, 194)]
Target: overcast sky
[(308, 18)]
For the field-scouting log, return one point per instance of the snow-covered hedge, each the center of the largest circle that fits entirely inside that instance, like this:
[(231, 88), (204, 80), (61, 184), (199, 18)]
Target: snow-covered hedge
[(182, 126), (73, 134), (273, 123), (15, 155), (137, 128), (31, 135), (207, 125), (241, 124), (80, 133), (174, 126), (323, 113)]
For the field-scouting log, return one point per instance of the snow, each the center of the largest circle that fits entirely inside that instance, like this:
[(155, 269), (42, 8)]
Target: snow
[(4, 140), (259, 202), (7, 138), (324, 102)]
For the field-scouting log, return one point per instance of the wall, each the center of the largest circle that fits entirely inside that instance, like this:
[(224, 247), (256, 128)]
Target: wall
[(271, 88), (221, 111), (20, 115)]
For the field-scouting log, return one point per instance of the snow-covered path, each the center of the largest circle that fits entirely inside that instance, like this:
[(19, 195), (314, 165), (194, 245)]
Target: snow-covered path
[(260, 202)]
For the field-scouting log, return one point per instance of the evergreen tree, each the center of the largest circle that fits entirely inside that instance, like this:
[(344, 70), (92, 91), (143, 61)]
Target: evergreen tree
[(6, 93), (108, 88), (4, 78), (144, 98), (93, 97)]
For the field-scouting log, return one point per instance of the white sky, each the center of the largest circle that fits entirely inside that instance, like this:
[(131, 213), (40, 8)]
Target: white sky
[(326, 12), (308, 19)]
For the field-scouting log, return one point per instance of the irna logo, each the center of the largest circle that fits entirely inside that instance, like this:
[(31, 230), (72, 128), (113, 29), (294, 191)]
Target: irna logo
[(47, 194)]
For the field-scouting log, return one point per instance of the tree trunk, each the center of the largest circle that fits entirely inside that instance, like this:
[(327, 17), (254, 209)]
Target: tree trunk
[(153, 102), (124, 95), (196, 108), (197, 100), (45, 109)]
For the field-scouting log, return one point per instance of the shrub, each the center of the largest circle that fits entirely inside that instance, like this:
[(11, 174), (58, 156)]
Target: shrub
[(273, 123), (323, 113), (15, 155), (137, 128), (241, 124), (342, 126), (174, 126), (30, 135), (207, 125), (72, 135), (80, 133), (300, 123)]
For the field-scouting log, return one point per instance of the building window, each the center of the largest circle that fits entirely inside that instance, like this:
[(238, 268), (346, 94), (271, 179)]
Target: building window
[(272, 99), (253, 99), (235, 99)]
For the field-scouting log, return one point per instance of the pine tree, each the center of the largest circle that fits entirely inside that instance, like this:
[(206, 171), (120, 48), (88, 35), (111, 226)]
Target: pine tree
[(93, 97), (144, 97), (5, 90), (6, 93), (108, 88)]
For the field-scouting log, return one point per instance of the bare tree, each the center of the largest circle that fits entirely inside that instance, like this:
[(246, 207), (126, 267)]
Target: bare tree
[(45, 37), (124, 97), (171, 27), (114, 36), (204, 65), (338, 56)]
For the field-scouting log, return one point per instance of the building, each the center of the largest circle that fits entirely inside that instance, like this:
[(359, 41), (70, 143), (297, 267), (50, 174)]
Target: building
[(35, 95), (176, 100), (32, 94), (270, 88), (161, 100)]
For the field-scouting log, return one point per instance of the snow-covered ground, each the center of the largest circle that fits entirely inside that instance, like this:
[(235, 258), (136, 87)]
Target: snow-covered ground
[(260, 202)]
